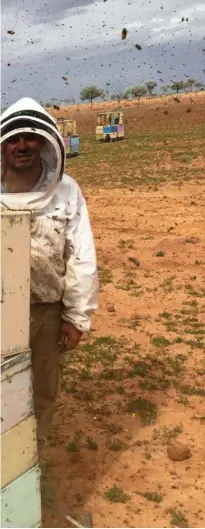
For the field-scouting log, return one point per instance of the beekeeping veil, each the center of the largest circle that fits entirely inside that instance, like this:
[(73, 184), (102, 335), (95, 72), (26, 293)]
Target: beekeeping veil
[(29, 117)]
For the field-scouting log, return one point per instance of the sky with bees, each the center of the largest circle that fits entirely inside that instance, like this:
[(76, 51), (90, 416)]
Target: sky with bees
[(52, 49)]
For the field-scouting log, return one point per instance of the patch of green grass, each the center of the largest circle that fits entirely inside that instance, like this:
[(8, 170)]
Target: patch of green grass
[(183, 400), (200, 418), (190, 390), (179, 339), (91, 444), (116, 445), (166, 435), (152, 496), (195, 293), (199, 344), (116, 495), (73, 446), (160, 384), (185, 157), (130, 286), (113, 428), (147, 455), (113, 374), (105, 275), (133, 322), (71, 389), (120, 389), (167, 284), (165, 315), (160, 253), (84, 374), (160, 342), (178, 519), (126, 244), (176, 362), (196, 343), (171, 326), (105, 350), (128, 165), (147, 410), (140, 368)]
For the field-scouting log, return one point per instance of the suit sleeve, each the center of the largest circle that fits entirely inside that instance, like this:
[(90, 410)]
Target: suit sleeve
[(80, 297)]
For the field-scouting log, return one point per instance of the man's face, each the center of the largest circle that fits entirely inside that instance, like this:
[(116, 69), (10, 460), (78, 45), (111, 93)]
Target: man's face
[(22, 151)]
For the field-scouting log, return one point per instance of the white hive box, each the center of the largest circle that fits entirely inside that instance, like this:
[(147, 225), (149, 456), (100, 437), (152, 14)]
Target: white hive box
[(20, 474), (15, 282)]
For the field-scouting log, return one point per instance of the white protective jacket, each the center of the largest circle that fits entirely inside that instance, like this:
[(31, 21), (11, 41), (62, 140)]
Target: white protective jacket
[(63, 259)]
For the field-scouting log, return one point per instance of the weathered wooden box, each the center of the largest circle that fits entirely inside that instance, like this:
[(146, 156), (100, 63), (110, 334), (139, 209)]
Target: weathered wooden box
[(20, 501), (20, 474), (16, 390), (15, 282)]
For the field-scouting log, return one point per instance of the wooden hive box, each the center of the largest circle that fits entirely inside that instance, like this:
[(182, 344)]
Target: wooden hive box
[(20, 474)]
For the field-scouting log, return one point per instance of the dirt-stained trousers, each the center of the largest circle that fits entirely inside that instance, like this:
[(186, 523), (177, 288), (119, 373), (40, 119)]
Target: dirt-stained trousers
[(45, 322)]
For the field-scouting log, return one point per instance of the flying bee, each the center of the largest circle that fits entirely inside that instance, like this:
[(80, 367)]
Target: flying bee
[(124, 33)]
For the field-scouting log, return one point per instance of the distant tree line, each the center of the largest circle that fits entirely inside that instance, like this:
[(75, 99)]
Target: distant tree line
[(117, 92), (90, 93)]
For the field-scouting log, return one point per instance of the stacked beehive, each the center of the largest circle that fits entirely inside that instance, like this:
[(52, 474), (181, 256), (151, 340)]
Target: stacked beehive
[(20, 475), (67, 128)]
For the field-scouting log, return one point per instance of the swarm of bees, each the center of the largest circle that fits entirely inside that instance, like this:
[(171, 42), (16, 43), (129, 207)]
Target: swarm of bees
[(124, 34)]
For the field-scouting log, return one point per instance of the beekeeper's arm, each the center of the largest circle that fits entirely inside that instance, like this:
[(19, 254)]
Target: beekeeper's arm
[(81, 281)]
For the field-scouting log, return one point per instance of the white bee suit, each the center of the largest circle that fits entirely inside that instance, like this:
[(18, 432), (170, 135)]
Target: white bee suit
[(63, 260), (64, 280)]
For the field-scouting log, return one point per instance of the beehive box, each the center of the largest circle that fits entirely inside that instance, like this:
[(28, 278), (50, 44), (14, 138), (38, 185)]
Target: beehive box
[(15, 282), (67, 127), (20, 501), (20, 475)]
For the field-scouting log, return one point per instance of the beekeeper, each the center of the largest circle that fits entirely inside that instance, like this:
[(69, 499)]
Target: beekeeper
[(64, 282)]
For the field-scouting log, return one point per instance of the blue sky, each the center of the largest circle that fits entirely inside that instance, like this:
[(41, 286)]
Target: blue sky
[(81, 39)]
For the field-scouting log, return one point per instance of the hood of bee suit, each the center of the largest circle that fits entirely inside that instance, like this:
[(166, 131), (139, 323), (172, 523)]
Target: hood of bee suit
[(27, 116)]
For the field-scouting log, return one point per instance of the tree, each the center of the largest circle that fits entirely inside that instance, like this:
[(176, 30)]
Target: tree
[(190, 83), (137, 91), (118, 90), (177, 86), (150, 85), (89, 93), (199, 85), (164, 88)]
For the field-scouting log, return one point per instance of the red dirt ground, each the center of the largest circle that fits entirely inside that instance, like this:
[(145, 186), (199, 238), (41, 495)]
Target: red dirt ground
[(151, 324)]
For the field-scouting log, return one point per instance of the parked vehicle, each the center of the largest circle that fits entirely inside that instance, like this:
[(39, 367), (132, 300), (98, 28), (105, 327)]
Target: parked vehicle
[(110, 126), (67, 127)]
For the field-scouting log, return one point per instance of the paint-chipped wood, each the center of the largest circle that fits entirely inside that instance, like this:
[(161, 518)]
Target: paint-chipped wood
[(15, 277), (21, 502), (18, 450), (16, 391)]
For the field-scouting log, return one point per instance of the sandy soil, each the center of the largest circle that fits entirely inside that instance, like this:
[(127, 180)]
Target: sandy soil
[(147, 341)]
